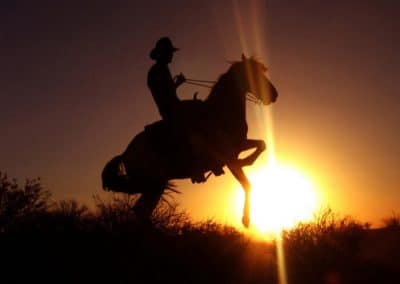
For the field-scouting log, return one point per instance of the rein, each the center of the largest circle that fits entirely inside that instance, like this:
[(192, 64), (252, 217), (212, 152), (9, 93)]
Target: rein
[(208, 84), (201, 83)]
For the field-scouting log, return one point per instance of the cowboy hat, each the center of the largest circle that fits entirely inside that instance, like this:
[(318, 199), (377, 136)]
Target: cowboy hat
[(163, 46)]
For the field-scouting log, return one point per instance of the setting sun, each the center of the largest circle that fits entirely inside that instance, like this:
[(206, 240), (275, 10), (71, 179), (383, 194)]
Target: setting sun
[(281, 197)]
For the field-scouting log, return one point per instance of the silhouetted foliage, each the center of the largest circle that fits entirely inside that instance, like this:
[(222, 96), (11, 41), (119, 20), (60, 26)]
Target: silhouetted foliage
[(108, 244), (393, 220), (115, 212), (328, 249), (18, 202), (68, 216)]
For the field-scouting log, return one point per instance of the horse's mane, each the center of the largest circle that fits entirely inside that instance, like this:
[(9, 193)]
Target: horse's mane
[(219, 86), (223, 81)]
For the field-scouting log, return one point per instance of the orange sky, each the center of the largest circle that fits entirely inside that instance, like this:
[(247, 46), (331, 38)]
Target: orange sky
[(73, 90)]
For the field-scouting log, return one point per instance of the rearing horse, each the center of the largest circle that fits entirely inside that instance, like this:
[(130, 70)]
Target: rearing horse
[(218, 129)]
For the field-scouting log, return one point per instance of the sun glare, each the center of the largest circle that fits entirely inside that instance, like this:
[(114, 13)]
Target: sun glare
[(281, 197)]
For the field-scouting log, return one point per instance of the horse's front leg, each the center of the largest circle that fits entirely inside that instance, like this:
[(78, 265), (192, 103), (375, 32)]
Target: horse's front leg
[(249, 144), (238, 173)]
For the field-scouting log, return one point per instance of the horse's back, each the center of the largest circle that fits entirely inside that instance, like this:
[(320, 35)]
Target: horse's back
[(150, 148)]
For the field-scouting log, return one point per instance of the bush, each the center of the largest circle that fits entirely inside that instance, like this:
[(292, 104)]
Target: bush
[(327, 246), (109, 244), (18, 202), (393, 221)]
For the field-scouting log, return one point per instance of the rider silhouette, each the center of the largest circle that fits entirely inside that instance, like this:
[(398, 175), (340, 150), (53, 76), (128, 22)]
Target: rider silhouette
[(159, 79), (163, 89)]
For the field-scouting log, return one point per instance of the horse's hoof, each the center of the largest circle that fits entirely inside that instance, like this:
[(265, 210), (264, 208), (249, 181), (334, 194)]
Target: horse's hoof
[(246, 221)]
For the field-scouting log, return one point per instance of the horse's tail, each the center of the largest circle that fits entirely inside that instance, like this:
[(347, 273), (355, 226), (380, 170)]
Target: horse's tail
[(114, 176)]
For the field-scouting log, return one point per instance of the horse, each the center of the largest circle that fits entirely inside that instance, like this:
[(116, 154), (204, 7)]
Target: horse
[(218, 126)]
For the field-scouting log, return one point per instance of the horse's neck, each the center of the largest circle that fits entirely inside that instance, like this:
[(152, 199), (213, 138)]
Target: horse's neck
[(226, 99), (226, 107)]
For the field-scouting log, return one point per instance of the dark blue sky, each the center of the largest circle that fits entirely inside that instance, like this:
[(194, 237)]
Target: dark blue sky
[(73, 92)]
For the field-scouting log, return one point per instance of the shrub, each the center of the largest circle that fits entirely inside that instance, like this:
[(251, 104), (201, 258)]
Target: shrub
[(17, 202), (393, 221), (328, 244)]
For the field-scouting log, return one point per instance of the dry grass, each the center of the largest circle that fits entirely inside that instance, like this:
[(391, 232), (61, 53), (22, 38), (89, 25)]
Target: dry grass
[(109, 245)]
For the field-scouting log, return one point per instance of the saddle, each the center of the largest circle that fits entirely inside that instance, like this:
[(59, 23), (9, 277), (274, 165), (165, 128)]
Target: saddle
[(171, 142)]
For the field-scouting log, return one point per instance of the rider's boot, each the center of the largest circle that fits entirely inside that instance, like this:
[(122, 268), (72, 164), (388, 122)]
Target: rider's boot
[(218, 170), (197, 176)]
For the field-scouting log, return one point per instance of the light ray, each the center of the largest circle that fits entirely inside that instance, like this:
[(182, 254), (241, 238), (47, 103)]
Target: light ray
[(251, 39), (240, 26), (281, 261)]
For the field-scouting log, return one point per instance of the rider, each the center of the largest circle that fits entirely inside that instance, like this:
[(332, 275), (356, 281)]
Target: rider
[(163, 89)]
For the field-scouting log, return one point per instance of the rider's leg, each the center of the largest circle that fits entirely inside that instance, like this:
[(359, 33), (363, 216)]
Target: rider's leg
[(190, 142)]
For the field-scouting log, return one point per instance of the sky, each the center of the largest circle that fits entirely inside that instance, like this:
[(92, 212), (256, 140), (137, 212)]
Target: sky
[(73, 90)]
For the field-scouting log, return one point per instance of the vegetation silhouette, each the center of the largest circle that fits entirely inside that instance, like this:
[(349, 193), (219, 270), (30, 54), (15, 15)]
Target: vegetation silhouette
[(218, 132), (43, 241)]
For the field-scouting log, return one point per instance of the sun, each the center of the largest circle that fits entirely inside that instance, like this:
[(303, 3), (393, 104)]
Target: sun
[(281, 196)]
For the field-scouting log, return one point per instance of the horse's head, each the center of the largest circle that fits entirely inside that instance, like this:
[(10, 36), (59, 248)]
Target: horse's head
[(250, 74)]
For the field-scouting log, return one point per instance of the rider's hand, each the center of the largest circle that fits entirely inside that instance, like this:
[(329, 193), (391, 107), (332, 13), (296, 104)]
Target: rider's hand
[(179, 79)]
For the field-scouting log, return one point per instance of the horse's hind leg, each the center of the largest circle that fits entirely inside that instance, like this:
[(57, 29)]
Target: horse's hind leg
[(148, 200), (239, 174)]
